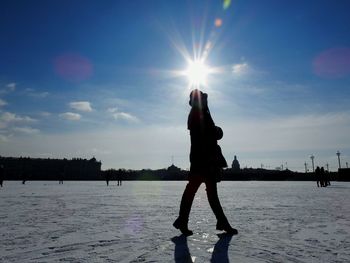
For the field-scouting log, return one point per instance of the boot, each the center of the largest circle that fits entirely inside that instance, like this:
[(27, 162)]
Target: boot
[(182, 226), (225, 226)]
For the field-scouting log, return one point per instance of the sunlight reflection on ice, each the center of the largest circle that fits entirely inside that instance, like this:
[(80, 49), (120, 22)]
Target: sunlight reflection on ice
[(134, 224), (205, 235), (210, 250)]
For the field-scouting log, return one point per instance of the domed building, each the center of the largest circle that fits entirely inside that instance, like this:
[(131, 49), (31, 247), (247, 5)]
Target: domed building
[(235, 165)]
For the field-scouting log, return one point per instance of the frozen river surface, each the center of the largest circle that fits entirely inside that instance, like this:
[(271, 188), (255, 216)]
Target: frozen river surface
[(90, 222)]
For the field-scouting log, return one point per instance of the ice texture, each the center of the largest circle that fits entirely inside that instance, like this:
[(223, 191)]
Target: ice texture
[(90, 222)]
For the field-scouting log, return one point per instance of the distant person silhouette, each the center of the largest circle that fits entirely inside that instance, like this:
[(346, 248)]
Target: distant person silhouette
[(318, 176), (323, 178), (2, 174), (119, 179), (328, 178), (108, 177), (60, 178), (207, 162), (63, 172)]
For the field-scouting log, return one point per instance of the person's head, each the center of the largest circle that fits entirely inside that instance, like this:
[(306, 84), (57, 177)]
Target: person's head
[(198, 99)]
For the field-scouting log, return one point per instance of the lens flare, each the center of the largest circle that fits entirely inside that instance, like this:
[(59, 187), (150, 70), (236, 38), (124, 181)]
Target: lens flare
[(333, 63), (218, 22), (226, 4), (73, 67), (197, 72)]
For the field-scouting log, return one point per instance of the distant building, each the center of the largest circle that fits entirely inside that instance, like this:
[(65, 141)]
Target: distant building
[(235, 165), (173, 169), (344, 174), (25, 168)]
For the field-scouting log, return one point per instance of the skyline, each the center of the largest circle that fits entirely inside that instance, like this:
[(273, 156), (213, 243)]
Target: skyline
[(90, 78)]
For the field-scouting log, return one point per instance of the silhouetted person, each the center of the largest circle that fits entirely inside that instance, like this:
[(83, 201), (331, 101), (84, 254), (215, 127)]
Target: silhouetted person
[(328, 178), (207, 162), (60, 177), (2, 174), (22, 172), (63, 172), (119, 178), (318, 176), (323, 177), (108, 177)]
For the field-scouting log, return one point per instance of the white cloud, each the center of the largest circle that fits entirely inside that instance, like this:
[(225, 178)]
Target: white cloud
[(11, 86), (8, 117), (12, 117), (3, 125), (26, 130), (241, 68), (9, 122), (244, 69), (83, 106), (112, 110), (269, 140), (119, 115), (2, 102), (125, 116), (70, 116), (45, 114)]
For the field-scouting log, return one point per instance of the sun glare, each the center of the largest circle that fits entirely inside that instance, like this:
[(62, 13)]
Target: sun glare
[(197, 72)]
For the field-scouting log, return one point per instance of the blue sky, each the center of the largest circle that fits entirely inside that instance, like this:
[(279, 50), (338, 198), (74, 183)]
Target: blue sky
[(97, 78)]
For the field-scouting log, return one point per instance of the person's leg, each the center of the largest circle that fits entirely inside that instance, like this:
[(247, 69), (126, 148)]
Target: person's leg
[(213, 198), (187, 198), (185, 206), (214, 201)]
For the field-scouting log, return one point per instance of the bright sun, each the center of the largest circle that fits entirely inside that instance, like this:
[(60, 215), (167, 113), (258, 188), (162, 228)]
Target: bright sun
[(197, 72)]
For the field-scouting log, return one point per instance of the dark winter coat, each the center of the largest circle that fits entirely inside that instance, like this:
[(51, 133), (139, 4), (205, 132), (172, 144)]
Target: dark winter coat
[(205, 156)]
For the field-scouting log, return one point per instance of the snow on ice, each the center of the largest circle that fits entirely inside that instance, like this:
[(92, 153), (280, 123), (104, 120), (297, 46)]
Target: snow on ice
[(90, 222)]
